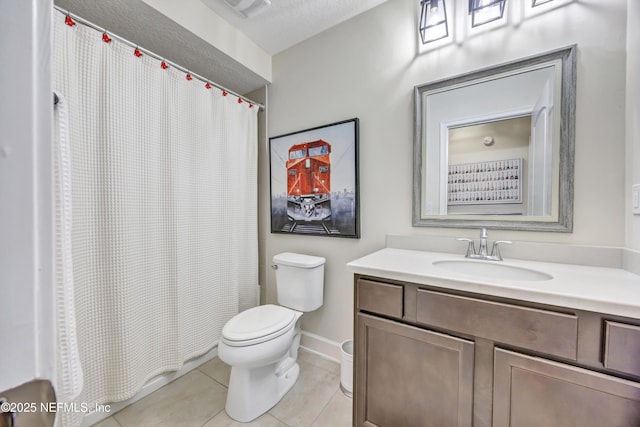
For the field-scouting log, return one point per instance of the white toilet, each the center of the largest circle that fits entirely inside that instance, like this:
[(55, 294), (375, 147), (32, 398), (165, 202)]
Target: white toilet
[(261, 344)]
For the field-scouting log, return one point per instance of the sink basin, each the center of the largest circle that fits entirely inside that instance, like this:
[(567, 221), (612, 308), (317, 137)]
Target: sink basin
[(492, 270)]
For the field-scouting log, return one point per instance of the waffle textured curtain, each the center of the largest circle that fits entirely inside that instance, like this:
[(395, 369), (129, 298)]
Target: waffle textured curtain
[(163, 186)]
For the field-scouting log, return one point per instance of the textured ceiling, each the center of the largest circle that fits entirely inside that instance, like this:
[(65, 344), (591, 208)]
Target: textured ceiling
[(288, 22), (284, 24)]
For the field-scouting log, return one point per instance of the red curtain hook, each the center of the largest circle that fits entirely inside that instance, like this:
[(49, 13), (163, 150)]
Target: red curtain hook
[(208, 86), (250, 105), (164, 65), (239, 100), (137, 52), (224, 93), (189, 77), (106, 38), (69, 21)]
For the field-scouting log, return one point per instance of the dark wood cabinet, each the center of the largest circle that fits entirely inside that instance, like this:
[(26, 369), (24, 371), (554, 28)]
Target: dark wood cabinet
[(533, 391), (427, 356), (545, 331), (411, 377), (622, 348)]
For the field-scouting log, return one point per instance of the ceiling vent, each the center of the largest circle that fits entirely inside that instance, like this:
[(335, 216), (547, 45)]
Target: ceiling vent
[(249, 8)]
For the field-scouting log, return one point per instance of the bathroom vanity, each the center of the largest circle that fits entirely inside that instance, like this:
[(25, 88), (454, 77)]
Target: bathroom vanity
[(444, 341)]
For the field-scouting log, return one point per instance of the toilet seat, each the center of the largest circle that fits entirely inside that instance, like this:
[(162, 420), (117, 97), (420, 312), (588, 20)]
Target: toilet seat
[(257, 325)]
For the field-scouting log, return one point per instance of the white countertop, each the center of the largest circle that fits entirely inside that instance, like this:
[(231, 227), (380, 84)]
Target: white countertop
[(600, 289)]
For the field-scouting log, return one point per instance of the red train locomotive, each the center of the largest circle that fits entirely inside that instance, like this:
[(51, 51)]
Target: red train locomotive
[(309, 181)]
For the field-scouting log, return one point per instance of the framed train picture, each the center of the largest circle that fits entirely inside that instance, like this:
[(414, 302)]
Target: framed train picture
[(314, 181)]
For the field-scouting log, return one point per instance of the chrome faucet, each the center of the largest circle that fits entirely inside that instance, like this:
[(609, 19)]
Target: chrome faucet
[(483, 252)]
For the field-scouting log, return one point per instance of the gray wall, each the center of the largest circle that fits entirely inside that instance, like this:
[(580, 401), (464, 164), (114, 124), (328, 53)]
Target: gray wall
[(367, 68)]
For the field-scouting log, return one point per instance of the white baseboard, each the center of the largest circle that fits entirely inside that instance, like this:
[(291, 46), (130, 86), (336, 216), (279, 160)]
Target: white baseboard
[(151, 386), (321, 346)]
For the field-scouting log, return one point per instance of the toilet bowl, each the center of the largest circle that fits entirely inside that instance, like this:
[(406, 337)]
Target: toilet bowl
[(263, 363), (261, 343)]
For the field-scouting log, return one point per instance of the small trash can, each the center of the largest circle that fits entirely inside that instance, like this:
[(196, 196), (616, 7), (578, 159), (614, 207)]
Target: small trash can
[(346, 368)]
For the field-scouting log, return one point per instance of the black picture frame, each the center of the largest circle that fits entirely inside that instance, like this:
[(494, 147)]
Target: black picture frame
[(314, 181)]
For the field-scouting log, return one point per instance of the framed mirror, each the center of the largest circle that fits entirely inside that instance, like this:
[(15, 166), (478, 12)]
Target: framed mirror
[(495, 147)]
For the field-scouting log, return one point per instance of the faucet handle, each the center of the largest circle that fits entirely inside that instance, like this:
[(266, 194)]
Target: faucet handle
[(495, 251), (471, 249)]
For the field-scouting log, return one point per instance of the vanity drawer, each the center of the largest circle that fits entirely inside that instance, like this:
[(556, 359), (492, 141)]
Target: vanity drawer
[(622, 347), (380, 298), (539, 330)]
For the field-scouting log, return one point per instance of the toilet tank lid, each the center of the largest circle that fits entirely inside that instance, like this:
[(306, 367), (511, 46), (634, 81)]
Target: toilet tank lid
[(298, 260)]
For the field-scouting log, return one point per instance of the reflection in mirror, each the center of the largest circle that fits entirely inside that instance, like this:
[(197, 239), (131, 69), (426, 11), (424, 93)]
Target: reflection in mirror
[(495, 147), (486, 168)]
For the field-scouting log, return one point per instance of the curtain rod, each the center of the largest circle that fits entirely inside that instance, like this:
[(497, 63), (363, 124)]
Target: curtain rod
[(153, 55)]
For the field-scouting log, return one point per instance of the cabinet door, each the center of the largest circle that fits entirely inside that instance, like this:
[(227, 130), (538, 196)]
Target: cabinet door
[(531, 391), (407, 376)]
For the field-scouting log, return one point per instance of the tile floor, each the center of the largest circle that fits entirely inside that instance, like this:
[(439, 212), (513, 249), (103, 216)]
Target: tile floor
[(197, 399)]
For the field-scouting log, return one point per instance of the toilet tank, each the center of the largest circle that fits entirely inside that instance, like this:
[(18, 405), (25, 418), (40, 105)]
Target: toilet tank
[(299, 280)]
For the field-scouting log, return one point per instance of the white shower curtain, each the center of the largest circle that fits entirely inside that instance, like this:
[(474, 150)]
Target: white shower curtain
[(164, 234), (69, 368)]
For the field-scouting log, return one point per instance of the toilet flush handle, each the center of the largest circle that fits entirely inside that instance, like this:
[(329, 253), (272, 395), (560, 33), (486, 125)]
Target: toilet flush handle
[(274, 266)]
